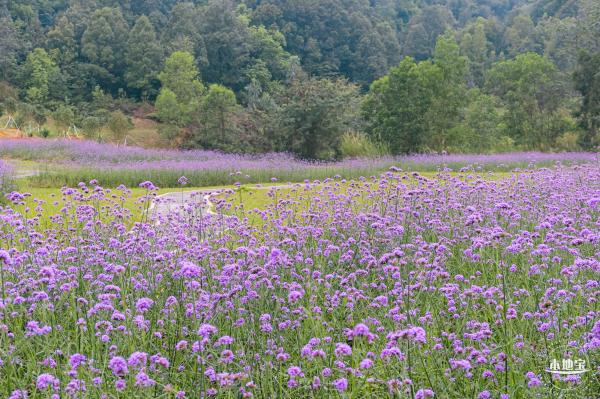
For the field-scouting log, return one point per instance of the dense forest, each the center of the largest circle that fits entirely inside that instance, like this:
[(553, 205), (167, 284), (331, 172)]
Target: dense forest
[(320, 78)]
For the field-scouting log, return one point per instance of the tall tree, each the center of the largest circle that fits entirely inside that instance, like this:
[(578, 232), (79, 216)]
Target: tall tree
[(227, 41), (181, 89), (397, 105), (64, 117), (475, 46), (269, 61), (480, 130), (529, 88), (92, 127), (450, 98), (60, 42), (521, 36), (105, 40), (40, 73), (560, 37), (423, 30), (181, 32), (588, 26), (313, 114), (218, 117), (12, 44), (143, 57), (334, 37), (587, 82)]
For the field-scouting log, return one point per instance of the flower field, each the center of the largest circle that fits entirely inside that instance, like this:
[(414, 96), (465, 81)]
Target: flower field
[(55, 163), (400, 285)]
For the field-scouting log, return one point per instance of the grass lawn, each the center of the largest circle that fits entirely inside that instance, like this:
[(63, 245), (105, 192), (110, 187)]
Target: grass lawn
[(253, 199)]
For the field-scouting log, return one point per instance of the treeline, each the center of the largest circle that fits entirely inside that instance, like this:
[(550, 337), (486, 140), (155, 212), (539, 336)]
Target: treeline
[(322, 79)]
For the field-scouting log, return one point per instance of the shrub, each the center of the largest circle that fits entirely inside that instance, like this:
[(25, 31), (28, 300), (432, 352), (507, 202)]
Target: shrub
[(568, 141), (357, 145), (119, 124), (503, 144)]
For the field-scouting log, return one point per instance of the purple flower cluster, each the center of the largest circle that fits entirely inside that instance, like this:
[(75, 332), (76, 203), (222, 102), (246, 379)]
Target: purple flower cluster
[(396, 285)]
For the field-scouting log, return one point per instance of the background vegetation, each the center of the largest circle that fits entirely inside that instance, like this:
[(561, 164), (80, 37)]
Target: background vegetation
[(322, 79)]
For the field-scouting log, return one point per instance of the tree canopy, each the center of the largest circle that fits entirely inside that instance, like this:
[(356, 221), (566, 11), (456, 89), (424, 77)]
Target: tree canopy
[(250, 75)]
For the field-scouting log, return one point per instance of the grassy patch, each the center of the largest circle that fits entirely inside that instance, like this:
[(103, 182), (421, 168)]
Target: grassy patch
[(252, 200), (46, 202)]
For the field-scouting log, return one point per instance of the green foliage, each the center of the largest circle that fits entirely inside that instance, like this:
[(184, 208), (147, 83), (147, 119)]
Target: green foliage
[(587, 82), (12, 46), (270, 60), (450, 94), (528, 87), (106, 55), (568, 141), (218, 121), (181, 90), (357, 145), (143, 56), (61, 42), (170, 133), (354, 39), (25, 115), (226, 39), (100, 99), (92, 127), (503, 144), (424, 28), (474, 44), (180, 33), (522, 36), (561, 41), (588, 27), (313, 114), (181, 76), (39, 73), (119, 124), (10, 105), (397, 105), (168, 108), (64, 117), (39, 115), (104, 41), (481, 129)]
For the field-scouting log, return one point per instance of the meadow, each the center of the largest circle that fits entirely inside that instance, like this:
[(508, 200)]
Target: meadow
[(397, 284)]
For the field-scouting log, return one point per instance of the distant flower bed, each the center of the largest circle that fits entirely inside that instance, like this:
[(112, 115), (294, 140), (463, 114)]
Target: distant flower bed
[(66, 162)]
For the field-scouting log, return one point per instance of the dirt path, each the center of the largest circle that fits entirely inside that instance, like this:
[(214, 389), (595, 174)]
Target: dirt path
[(22, 173), (177, 200)]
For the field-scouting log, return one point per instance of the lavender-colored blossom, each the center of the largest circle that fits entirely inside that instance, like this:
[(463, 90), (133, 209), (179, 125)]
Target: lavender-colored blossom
[(341, 384), (424, 394), (118, 366), (45, 381), (143, 305)]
